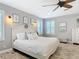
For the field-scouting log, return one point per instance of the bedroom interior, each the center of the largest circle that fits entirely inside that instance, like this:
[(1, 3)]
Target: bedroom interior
[(32, 30)]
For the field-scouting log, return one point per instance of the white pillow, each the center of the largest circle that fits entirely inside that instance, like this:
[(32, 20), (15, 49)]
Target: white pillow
[(34, 33), (32, 36), (21, 36)]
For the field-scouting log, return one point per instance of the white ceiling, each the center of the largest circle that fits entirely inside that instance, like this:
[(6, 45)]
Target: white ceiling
[(35, 7)]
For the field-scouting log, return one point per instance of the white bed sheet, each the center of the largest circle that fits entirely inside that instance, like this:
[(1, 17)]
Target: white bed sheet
[(42, 46)]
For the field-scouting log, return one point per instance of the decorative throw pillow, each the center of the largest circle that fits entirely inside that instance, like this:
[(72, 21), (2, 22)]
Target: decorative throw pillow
[(26, 37), (32, 36), (35, 34), (22, 36)]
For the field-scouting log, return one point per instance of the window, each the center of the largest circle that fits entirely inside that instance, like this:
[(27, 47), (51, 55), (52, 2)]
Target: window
[(1, 25), (50, 27), (40, 27)]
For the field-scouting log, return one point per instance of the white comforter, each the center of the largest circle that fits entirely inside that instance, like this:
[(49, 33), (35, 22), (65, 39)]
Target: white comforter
[(42, 45)]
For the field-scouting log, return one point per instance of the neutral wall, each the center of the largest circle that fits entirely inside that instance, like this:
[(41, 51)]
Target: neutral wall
[(70, 20), (6, 44)]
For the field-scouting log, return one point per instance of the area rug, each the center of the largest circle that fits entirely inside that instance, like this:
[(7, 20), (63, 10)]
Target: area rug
[(64, 51)]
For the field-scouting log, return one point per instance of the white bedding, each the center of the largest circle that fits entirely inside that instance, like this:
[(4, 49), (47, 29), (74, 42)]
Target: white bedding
[(42, 46)]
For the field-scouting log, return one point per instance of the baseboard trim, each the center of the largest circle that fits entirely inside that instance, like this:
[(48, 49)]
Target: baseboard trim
[(7, 50)]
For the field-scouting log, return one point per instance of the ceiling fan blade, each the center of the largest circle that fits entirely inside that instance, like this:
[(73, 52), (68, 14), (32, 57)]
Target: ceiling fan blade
[(68, 1), (56, 8), (66, 9), (49, 5), (67, 6), (58, 0)]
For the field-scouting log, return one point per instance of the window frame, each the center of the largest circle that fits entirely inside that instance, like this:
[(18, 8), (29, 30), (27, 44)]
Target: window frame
[(41, 28), (3, 22), (51, 28)]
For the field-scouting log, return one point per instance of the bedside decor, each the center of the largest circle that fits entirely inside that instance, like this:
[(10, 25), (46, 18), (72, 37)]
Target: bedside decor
[(15, 18)]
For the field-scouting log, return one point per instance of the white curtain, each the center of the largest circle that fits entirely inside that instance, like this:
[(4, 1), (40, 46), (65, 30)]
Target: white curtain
[(1, 25)]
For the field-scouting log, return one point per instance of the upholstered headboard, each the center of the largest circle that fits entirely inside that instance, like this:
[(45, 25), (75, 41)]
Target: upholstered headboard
[(19, 28)]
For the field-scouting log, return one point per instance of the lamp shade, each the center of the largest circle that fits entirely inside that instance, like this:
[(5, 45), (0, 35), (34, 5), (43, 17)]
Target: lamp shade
[(9, 20)]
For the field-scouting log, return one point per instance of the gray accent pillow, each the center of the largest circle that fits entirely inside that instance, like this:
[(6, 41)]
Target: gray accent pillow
[(26, 37)]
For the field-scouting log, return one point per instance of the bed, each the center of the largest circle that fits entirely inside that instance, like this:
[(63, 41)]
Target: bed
[(41, 48)]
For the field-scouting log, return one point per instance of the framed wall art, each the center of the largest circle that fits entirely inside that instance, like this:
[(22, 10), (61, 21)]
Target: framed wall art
[(16, 18), (25, 20), (62, 26)]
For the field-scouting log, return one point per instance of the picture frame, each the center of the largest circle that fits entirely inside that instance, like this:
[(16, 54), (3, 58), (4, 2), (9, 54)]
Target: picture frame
[(25, 20), (63, 27), (16, 18), (30, 21)]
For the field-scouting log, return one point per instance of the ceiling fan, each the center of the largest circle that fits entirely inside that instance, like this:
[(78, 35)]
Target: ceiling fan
[(62, 4)]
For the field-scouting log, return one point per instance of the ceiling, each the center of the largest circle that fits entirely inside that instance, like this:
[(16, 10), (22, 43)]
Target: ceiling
[(34, 7)]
